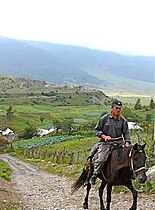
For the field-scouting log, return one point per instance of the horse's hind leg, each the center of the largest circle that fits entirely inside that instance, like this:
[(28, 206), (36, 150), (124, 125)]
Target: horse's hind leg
[(134, 194), (103, 184), (85, 204)]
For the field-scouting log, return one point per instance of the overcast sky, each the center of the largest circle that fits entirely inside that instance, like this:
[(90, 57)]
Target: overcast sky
[(119, 25)]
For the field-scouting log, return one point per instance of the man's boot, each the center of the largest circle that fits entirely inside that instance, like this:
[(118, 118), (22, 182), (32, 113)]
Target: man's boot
[(88, 167), (93, 179)]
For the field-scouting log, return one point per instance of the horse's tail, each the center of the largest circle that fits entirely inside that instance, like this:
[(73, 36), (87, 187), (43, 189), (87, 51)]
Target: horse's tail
[(80, 181)]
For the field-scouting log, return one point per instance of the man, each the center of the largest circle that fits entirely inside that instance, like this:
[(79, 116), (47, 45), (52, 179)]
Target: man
[(112, 128)]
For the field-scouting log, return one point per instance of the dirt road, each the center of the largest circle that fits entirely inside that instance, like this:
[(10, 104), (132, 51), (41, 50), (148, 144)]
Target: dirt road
[(42, 191)]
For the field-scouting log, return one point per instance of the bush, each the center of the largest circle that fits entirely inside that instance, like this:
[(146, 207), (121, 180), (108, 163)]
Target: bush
[(29, 132)]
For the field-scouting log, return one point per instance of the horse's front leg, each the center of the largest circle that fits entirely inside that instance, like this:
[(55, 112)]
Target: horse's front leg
[(109, 188), (103, 184), (134, 194), (85, 204)]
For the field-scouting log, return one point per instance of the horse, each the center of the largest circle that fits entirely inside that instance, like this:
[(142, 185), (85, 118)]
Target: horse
[(118, 170)]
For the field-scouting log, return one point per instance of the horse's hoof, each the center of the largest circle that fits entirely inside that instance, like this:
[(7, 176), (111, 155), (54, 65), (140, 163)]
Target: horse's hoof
[(85, 205)]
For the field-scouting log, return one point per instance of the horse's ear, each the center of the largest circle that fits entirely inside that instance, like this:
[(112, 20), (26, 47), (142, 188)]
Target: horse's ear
[(143, 146), (135, 146)]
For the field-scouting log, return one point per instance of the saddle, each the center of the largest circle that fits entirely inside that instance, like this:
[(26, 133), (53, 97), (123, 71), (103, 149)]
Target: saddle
[(114, 150)]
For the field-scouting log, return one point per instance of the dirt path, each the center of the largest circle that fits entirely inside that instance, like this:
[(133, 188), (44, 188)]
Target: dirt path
[(42, 191)]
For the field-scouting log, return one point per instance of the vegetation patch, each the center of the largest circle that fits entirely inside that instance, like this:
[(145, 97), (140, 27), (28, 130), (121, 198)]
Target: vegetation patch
[(5, 170)]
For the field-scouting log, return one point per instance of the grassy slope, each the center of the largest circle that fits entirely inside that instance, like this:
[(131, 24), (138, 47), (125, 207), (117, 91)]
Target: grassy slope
[(122, 85)]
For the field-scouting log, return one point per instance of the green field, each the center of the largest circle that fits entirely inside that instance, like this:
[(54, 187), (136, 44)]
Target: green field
[(79, 104)]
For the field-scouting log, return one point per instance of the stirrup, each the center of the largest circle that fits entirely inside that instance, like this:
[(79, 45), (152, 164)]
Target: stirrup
[(93, 179)]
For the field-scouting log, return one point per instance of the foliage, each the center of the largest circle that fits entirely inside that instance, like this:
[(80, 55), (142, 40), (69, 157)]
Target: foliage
[(129, 114), (65, 124), (5, 170), (138, 105), (148, 117), (148, 187), (29, 132), (38, 142), (42, 119), (9, 113), (152, 104)]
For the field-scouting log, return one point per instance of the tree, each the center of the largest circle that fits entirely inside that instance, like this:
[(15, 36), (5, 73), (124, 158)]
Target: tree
[(128, 114), (9, 113), (29, 132), (152, 104), (42, 119), (138, 105), (58, 123)]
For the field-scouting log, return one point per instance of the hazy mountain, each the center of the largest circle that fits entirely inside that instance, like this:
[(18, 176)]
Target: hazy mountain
[(133, 67), (70, 64)]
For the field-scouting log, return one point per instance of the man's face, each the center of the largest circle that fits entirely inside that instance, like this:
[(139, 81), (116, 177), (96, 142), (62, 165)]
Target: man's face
[(116, 111)]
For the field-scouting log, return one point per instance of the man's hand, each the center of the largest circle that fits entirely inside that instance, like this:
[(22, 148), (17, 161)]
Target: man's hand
[(106, 138), (127, 144)]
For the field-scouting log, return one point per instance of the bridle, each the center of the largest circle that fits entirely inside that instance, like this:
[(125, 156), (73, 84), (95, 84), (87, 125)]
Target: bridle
[(131, 161)]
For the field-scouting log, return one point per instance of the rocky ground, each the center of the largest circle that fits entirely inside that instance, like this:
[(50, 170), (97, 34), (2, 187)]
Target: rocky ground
[(39, 190)]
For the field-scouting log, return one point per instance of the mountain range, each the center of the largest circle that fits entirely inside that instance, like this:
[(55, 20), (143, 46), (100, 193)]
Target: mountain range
[(64, 64)]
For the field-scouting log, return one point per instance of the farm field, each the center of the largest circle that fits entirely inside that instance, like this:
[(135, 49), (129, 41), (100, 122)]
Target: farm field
[(46, 115), (24, 114), (131, 99)]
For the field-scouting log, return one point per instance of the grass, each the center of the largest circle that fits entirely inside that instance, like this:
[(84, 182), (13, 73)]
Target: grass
[(5, 170)]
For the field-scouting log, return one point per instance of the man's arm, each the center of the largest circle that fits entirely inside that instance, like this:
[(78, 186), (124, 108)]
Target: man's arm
[(126, 134), (99, 129)]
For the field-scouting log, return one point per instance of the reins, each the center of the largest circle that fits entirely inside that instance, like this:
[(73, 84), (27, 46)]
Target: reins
[(131, 161), (139, 169)]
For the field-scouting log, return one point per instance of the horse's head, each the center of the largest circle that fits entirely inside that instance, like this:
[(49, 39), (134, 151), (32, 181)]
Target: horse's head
[(138, 159)]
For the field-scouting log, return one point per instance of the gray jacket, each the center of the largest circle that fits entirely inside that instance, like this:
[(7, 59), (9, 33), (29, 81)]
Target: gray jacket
[(112, 127)]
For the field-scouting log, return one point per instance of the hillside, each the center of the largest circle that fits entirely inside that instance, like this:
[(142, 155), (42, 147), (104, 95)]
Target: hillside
[(61, 64), (20, 91)]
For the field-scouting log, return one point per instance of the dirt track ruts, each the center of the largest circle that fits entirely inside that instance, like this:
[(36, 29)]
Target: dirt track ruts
[(40, 190)]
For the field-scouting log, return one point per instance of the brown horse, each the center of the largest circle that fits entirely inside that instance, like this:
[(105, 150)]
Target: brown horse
[(117, 171)]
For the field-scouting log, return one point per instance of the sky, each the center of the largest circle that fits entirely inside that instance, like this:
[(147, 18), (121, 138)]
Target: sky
[(125, 26)]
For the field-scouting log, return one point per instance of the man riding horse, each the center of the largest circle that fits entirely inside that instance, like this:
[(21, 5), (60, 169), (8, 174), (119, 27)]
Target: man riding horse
[(112, 129)]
